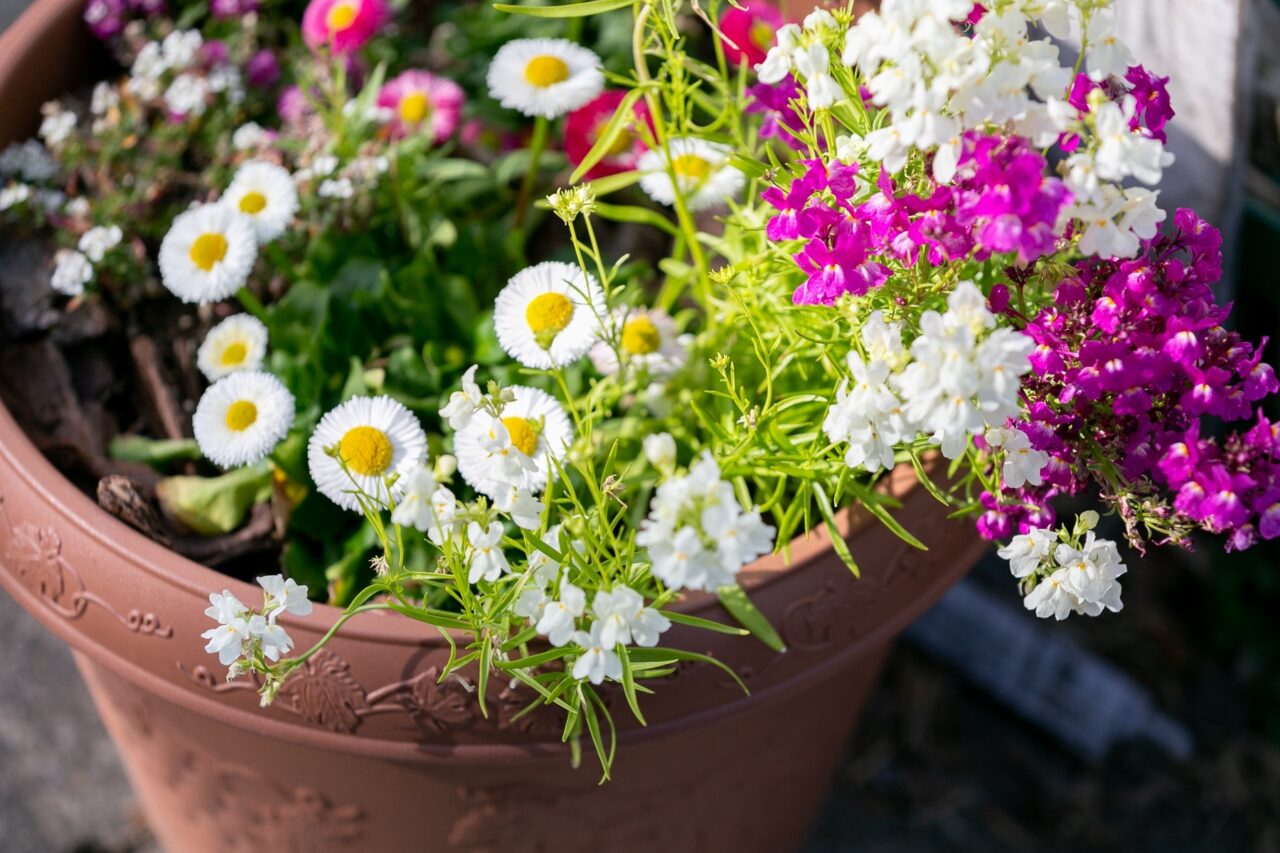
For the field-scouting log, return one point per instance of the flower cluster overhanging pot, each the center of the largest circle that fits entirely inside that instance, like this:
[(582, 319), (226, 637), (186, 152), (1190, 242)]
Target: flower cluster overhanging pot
[(364, 736)]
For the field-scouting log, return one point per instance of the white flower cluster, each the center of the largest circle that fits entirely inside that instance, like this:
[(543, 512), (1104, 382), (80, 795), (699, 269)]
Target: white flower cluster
[(698, 535), (189, 89), (1116, 219), (74, 268), (960, 376), (937, 82), (805, 50), (1067, 575), (334, 180), (27, 160), (1023, 464), (619, 616), (242, 634)]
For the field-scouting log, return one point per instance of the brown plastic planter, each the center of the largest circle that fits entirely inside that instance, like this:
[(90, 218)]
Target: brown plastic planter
[(363, 750)]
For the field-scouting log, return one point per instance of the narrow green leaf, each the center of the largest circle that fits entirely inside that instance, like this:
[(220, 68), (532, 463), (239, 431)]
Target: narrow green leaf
[(568, 10), (482, 685), (705, 624), (735, 600), (840, 546), (875, 506), (629, 685), (636, 216), (929, 485), (608, 135), (665, 655)]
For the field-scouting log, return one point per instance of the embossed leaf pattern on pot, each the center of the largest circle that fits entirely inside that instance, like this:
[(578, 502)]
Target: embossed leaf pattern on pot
[(37, 551), (323, 691), (441, 707)]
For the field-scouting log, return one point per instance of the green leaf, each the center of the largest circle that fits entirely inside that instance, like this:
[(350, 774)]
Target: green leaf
[(735, 600), (840, 546), (925, 480), (629, 685), (705, 624), (613, 183), (568, 10), (150, 451), (608, 135), (875, 505), (636, 215), (214, 505), (664, 655)]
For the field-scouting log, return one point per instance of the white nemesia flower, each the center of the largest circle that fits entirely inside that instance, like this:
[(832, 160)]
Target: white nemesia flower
[(547, 316), (105, 98), (241, 418), (227, 640), (265, 194), (340, 188), (486, 559), (523, 506), (660, 450), (544, 77), (29, 160), (207, 254), (224, 607), (598, 660), (1027, 551), (464, 404), (14, 195), (623, 618), (647, 339), (57, 125), (96, 242), (187, 95), (249, 136), (237, 343), (272, 638), (285, 595), (71, 272), (415, 508), (559, 616), (1022, 462), (516, 448), (375, 439), (702, 172)]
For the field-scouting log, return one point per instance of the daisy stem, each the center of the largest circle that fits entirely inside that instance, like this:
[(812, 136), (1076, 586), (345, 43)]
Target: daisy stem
[(251, 303), (541, 126)]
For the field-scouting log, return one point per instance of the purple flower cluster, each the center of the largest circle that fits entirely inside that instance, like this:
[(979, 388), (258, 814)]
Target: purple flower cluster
[(1129, 360), (1001, 202), (1152, 107), (106, 19), (232, 8), (837, 257), (773, 101)]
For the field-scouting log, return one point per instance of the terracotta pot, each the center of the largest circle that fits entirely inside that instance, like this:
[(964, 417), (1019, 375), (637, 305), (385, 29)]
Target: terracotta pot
[(363, 750)]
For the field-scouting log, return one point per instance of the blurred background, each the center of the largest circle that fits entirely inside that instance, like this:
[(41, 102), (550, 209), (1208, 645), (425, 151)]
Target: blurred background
[(1157, 728)]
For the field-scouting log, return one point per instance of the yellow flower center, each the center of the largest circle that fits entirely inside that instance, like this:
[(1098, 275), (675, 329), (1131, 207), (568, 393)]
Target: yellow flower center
[(692, 166), (543, 71), (621, 143), (341, 16), (548, 314), (252, 202), (414, 107), (762, 35), (235, 353), (523, 438), (241, 415), (640, 336), (207, 250), (366, 450)]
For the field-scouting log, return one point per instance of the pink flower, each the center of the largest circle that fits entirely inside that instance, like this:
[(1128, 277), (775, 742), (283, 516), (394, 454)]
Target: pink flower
[(583, 126), (421, 101), (751, 31), (342, 25)]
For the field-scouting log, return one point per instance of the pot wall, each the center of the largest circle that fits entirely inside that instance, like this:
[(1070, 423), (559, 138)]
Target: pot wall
[(364, 750)]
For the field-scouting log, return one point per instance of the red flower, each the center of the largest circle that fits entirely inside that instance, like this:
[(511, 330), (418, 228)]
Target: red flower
[(751, 29)]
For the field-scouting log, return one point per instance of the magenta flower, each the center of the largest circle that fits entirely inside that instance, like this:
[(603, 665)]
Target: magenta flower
[(422, 102), (342, 26), (751, 30), (780, 120)]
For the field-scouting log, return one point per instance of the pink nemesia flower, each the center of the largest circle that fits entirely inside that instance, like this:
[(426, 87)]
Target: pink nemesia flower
[(421, 101), (751, 31), (342, 25), (583, 126)]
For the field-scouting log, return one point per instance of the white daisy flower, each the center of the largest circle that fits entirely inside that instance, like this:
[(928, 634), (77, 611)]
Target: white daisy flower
[(242, 417), (376, 438), (237, 343), (544, 77), (266, 195), (647, 339), (701, 169), (548, 315), (207, 254), (516, 449)]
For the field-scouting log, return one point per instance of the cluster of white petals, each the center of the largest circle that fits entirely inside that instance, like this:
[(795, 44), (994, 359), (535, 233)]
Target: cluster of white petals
[(1070, 575), (241, 632)]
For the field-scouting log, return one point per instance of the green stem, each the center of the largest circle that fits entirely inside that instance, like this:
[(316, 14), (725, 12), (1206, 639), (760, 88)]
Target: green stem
[(251, 303), (541, 127)]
